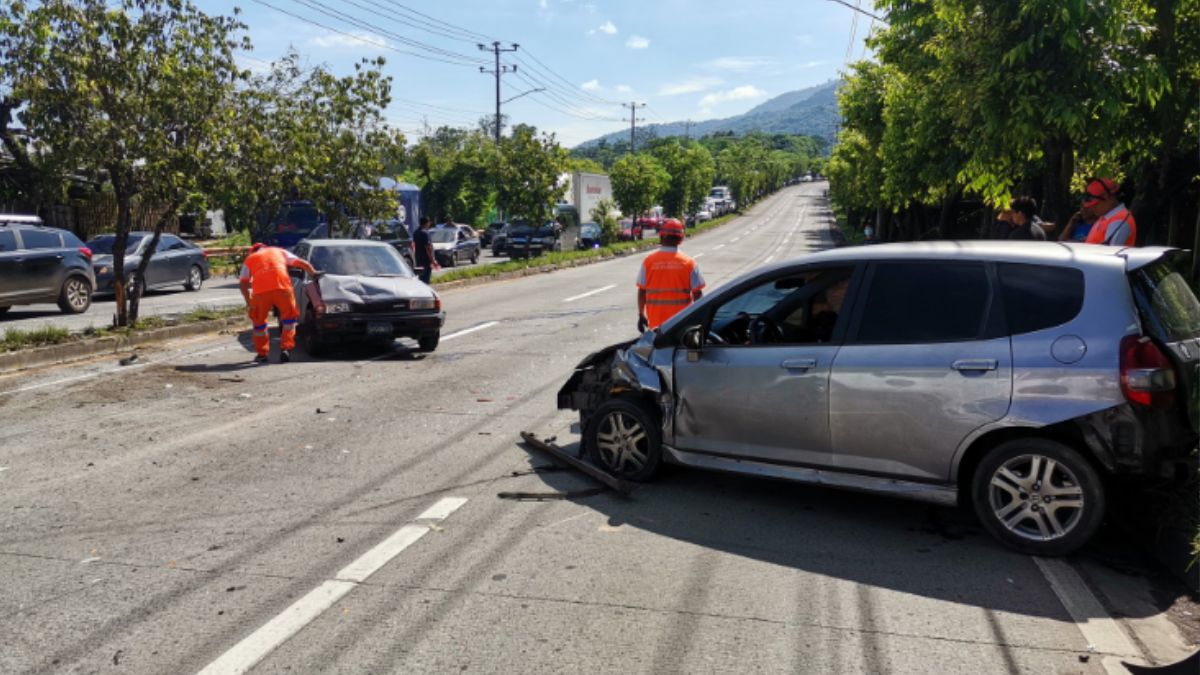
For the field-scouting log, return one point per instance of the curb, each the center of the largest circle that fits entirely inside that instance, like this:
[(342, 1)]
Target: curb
[(74, 351)]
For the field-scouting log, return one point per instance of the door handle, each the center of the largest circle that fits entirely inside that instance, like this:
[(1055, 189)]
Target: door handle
[(973, 365), (799, 364)]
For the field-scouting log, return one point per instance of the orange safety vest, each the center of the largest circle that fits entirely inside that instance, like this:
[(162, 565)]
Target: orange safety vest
[(1099, 231), (668, 285), (268, 270)]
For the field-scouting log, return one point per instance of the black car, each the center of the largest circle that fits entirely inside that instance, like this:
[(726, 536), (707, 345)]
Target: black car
[(175, 263), (367, 294), (43, 264), (589, 236), (488, 235), (524, 242)]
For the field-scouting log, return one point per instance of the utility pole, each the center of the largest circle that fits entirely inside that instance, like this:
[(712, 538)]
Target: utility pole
[(688, 127), (633, 120), (496, 49)]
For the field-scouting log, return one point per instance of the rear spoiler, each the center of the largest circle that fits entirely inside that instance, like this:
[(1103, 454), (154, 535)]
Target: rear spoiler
[(1137, 258)]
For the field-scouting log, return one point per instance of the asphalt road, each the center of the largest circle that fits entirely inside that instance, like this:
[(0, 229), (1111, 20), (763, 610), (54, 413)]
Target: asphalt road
[(217, 293), (189, 511)]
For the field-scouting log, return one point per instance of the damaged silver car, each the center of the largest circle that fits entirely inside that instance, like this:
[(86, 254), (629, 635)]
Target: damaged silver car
[(368, 294), (1017, 377)]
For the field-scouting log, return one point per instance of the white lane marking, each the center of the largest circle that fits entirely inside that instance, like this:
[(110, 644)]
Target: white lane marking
[(3, 469), (247, 653), (467, 331), (581, 296), (698, 255), (769, 258), (1099, 629), (66, 380), (719, 247), (255, 647)]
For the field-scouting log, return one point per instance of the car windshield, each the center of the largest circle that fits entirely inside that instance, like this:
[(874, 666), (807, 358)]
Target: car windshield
[(103, 245), (364, 261), (590, 230), (298, 218), (443, 236)]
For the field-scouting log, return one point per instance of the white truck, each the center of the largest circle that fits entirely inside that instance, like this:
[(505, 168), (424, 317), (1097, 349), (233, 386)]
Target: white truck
[(584, 191)]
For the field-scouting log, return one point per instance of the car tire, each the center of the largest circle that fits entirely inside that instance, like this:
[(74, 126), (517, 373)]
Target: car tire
[(5, 308), (310, 338), (1021, 489), (474, 256), (195, 279), (75, 296), (452, 261), (428, 343), (623, 438)]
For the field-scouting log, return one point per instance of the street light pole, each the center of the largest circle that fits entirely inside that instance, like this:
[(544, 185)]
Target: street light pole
[(499, 70)]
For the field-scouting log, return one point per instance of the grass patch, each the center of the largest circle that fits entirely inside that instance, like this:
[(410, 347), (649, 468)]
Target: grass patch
[(211, 314), (566, 257), (235, 239), (16, 338)]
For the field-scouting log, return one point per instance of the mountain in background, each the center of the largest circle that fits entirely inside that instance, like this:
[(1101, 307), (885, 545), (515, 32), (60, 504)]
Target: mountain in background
[(811, 112)]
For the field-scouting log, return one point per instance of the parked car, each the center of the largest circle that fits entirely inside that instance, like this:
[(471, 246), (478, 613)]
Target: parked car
[(367, 294), (43, 264), (524, 241), (500, 242), (175, 263), (489, 233), (452, 245), (630, 230), (1022, 378), (392, 232), (589, 236), (296, 220)]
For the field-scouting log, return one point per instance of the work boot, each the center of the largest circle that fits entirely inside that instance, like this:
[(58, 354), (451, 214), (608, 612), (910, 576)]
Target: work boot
[(285, 356), (261, 360)]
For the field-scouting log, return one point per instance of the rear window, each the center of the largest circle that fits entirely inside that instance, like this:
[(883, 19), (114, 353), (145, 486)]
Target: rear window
[(1168, 307), (8, 241), (911, 303), (70, 239), (40, 239), (1037, 297)]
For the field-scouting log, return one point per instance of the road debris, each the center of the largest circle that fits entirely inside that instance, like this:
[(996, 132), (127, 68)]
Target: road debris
[(243, 396), (546, 496), (233, 378), (128, 360), (560, 455)]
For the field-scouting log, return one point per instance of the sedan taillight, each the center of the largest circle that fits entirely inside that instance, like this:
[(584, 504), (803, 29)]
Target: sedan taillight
[(1147, 375), (87, 252)]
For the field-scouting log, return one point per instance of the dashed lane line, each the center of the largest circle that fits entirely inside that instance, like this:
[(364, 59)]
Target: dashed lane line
[(590, 293), (258, 645)]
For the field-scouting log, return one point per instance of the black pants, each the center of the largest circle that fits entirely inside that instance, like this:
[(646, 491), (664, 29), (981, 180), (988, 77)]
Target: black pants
[(425, 273)]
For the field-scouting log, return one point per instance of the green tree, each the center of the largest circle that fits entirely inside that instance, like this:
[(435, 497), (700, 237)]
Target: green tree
[(638, 182), (528, 174), (690, 169), (604, 214), (456, 171), (133, 88)]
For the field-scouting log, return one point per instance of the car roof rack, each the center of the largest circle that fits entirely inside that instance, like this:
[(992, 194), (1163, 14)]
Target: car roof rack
[(14, 219)]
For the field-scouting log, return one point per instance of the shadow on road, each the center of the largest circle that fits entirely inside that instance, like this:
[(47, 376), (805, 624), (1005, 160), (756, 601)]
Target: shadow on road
[(914, 548)]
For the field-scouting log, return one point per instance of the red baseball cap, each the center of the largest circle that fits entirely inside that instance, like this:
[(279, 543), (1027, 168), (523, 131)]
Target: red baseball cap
[(1097, 189), (256, 246)]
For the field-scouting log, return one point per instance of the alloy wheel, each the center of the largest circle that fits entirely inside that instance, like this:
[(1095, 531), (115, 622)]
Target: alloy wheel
[(78, 294), (1036, 498), (195, 278), (622, 442)]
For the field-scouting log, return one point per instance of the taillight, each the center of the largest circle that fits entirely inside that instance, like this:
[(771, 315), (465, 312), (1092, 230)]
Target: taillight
[(204, 253), (87, 252), (1147, 376)]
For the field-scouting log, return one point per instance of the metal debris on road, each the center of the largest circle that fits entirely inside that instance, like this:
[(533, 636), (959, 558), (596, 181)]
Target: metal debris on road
[(545, 496), (128, 360), (548, 447), (234, 378)]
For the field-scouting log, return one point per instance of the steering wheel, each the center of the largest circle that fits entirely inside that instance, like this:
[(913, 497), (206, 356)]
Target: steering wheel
[(764, 330), (715, 338)]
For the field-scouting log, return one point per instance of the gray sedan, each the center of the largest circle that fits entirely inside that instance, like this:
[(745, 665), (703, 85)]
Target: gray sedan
[(175, 263)]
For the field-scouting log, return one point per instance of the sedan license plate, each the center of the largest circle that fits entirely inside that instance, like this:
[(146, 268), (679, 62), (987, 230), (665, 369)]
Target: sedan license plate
[(379, 329)]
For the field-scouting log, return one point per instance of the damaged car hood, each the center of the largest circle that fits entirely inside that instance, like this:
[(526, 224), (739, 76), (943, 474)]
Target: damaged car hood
[(365, 290)]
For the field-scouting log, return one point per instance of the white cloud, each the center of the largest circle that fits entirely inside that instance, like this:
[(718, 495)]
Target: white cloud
[(608, 28), (739, 63), (590, 85), (624, 89), (745, 91), (689, 86), (340, 40), (637, 42)]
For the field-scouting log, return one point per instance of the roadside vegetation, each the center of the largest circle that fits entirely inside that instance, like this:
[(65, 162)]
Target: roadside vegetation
[(15, 339)]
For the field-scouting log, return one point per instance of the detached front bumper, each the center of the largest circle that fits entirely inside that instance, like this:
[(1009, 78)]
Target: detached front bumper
[(364, 326)]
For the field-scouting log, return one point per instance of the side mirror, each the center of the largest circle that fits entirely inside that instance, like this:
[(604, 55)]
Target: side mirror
[(693, 338)]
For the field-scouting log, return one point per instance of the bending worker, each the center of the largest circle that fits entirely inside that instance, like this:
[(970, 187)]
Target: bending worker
[(266, 285), (668, 281)]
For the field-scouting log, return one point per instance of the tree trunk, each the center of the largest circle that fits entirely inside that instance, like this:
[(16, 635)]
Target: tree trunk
[(124, 213), (1196, 249), (1060, 168), (136, 297)]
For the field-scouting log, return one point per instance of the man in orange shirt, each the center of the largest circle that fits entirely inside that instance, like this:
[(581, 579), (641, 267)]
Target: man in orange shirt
[(668, 281), (266, 285), (1114, 224)]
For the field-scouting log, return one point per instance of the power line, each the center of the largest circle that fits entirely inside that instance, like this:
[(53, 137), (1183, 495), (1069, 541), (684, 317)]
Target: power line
[(471, 35), (580, 112), (862, 11), (382, 45), (633, 120), (853, 30), (360, 23), (499, 70), (571, 86)]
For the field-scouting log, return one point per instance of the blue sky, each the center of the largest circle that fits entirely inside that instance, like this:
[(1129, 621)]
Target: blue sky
[(686, 59)]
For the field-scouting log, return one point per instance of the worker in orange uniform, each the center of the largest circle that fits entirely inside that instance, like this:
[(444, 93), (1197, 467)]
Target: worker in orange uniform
[(668, 281), (1114, 224), (266, 285)]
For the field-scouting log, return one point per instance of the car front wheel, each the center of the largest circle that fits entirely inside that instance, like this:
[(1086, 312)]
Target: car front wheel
[(310, 339), (623, 438), (75, 296), (195, 279), (1038, 496), (428, 343)]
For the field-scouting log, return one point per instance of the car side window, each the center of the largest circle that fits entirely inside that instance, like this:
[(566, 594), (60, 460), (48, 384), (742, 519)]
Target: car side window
[(301, 251), (803, 308), (1037, 297), (925, 302), (8, 241), (40, 239)]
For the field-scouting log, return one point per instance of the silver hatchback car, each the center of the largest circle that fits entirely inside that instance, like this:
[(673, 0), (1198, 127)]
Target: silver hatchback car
[(1013, 376)]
